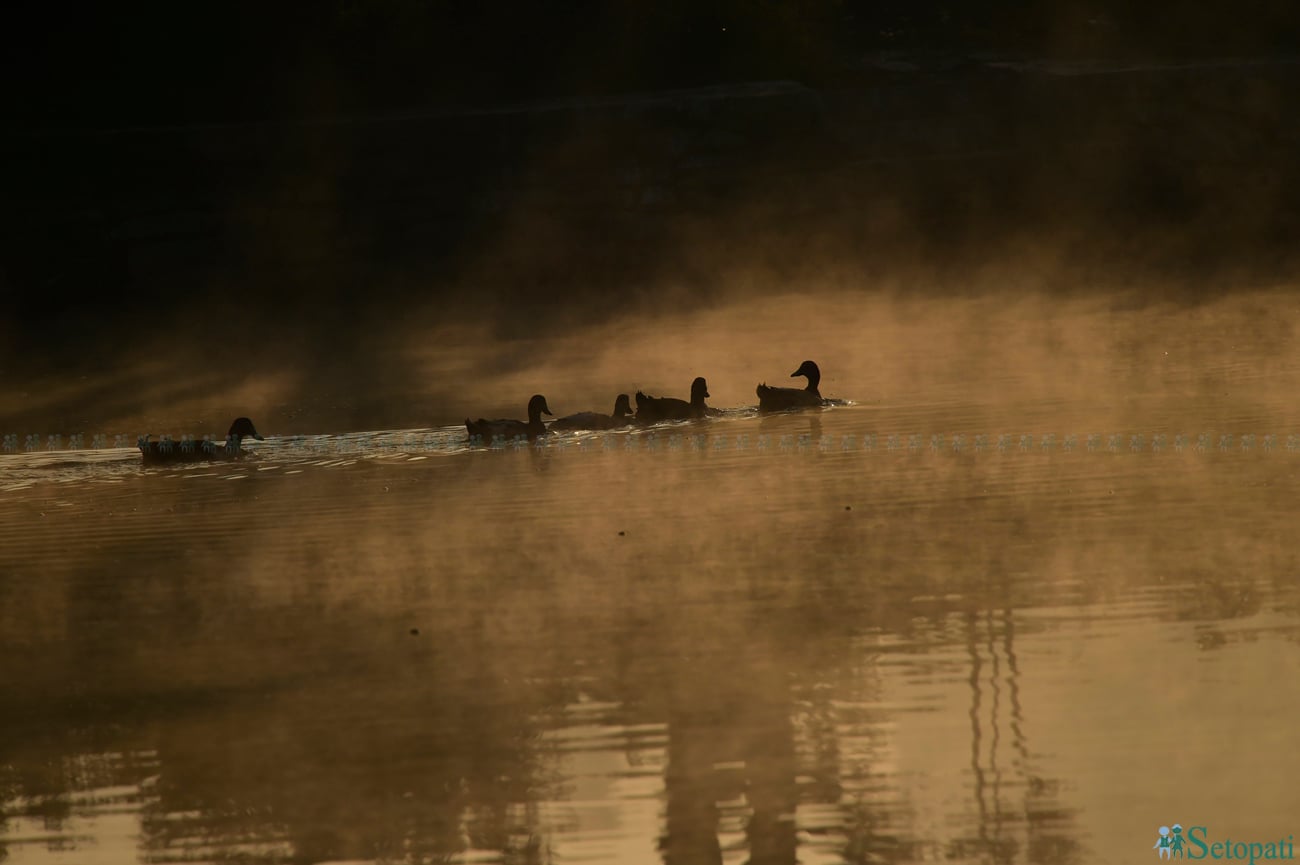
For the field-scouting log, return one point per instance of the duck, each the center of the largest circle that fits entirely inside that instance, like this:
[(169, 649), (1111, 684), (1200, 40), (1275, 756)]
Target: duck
[(783, 398), (588, 420), (487, 430), (189, 451), (651, 409)]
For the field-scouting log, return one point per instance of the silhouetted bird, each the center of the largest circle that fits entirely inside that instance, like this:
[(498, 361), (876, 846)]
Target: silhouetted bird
[(487, 430), (650, 409), (782, 398), (585, 420), (188, 451)]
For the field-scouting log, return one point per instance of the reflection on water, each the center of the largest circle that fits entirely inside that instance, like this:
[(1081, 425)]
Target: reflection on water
[(393, 648)]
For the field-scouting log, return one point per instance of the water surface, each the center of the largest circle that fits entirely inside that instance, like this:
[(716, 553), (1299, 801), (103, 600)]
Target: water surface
[(831, 637)]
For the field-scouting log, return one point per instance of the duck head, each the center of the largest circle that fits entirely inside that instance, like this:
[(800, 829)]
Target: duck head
[(243, 427), (699, 390), (623, 406), (537, 407), (809, 369)]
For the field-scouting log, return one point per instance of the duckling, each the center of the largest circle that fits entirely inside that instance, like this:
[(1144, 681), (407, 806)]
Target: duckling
[(186, 451), (589, 420), (487, 430), (782, 398), (650, 409)]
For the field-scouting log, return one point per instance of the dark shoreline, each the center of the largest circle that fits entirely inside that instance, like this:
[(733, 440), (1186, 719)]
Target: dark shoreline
[(923, 168)]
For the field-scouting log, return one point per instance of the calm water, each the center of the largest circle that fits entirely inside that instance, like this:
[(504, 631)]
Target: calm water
[(767, 644)]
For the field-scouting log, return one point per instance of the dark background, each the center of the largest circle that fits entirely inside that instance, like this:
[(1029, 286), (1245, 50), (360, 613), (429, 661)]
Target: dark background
[(236, 181)]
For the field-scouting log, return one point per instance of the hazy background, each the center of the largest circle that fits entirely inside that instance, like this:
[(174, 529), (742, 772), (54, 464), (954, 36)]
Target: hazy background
[(1002, 219), (394, 214)]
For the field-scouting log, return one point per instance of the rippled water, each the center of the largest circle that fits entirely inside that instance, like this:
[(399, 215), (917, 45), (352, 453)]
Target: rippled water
[(628, 651), (861, 634)]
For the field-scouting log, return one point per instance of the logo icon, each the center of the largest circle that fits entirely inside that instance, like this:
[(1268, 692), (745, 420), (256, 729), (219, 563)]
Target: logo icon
[(1170, 842)]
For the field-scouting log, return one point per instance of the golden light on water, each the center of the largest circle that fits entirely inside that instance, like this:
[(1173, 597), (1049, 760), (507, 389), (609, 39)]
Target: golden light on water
[(645, 654), (1026, 595)]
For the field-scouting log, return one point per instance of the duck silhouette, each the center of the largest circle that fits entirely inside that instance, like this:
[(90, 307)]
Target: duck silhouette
[(651, 409), (784, 398), (487, 430), (188, 451), (588, 420)]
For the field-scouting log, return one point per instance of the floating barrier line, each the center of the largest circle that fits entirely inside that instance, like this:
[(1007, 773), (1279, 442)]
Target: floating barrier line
[(649, 440)]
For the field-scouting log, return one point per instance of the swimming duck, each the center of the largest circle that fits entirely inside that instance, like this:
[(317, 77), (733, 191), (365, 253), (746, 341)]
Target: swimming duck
[(586, 420), (782, 398), (650, 409), (189, 451), (487, 430)]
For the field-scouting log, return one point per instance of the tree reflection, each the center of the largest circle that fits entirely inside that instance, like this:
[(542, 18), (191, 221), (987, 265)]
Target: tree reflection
[(358, 675)]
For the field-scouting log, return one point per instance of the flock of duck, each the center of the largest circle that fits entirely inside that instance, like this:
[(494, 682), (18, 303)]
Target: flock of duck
[(649, 410)]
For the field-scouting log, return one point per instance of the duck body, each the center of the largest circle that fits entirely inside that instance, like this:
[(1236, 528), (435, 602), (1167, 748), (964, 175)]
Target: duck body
[(167, 451), (651, 409), (592, 420), (786, 398), (489, 430)]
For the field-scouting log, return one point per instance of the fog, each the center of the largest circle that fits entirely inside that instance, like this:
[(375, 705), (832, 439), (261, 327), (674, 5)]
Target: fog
[(395, 269), (1111, 355), (1012, 593)]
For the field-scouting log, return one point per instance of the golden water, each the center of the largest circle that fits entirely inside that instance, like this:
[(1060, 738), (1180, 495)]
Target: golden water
[(754, 639)]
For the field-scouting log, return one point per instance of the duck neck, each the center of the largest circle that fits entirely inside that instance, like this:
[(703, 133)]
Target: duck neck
[(814, 379)]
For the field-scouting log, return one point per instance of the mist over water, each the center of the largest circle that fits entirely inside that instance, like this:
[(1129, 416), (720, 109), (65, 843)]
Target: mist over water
[(763, 640), (1026, 596), (337, 271), (1098, 360)]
